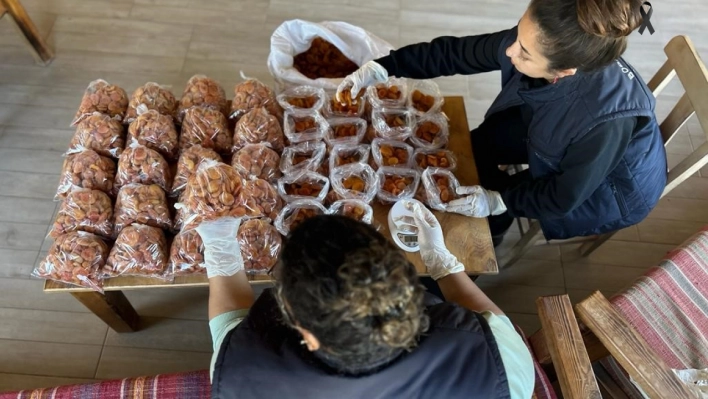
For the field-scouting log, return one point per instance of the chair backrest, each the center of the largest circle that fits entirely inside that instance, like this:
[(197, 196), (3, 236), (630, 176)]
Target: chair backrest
[(683, 61)]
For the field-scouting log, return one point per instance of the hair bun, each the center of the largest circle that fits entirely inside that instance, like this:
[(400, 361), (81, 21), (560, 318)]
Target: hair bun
[(609, 18)]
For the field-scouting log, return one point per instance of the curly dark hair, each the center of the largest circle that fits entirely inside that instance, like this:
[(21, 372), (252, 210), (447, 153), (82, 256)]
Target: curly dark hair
[(584, 34), (350, 287)]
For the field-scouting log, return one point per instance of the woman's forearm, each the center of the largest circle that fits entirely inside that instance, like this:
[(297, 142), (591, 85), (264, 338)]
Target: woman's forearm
[(445, 56), (460, 289), (230, 293)]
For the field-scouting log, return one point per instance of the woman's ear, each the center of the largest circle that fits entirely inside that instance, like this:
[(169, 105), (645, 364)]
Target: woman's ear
[(566, 72), (309, 339)]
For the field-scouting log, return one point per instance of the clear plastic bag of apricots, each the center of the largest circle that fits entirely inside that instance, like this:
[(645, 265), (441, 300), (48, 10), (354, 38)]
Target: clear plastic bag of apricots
[(391, 94), (257, 161), (424, 97), (258, 126), (302, 98), (207, 127), (260, 244), (303, 185), (301, 126), (251, 94), (258, 198), (187, 254), (151, 96), (139, 250), (100, 133), (353, 208), (348, 131), (355, 181), (75, 258), (303, 156), (139, 164), (155, 131), (202, 91), (84, 210), (397, 183), (103, 97), (391, 153), (443, 159), (440, 187), (187, 164), (144, 204), (297, 212), (430, 131), (86, 169)]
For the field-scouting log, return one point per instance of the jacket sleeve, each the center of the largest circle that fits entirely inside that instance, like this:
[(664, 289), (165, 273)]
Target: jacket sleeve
[(584, 167), (446, 56)]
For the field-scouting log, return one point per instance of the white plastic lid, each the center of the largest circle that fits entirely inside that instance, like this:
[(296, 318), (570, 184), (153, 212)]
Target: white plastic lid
[(405, 240)]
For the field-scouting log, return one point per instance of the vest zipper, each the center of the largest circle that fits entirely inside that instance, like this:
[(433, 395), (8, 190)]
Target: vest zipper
[(620, 200)]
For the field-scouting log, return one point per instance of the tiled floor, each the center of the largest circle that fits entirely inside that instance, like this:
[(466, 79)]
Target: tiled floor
[(51, 339)]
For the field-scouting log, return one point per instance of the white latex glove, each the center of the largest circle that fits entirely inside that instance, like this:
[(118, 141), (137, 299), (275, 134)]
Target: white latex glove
[(477, 202), (439, 262), (368, 74), (222, 252)]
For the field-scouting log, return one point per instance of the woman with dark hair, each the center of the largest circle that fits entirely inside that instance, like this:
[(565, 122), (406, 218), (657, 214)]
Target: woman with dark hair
[(570, 107), (348, 318)]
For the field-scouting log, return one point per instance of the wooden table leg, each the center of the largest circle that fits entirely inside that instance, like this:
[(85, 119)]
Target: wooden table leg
[(113, 308), (13, 7)]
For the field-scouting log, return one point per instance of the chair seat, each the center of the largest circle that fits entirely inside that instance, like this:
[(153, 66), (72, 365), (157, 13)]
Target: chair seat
[(192, 385), (667, 307)]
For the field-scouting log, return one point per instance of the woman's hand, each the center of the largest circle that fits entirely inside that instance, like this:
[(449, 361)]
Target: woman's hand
[(439, 262), (368, 74), (477, 202), (222, 252)]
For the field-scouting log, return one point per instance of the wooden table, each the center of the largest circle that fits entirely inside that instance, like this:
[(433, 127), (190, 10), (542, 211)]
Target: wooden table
[(467, 238)]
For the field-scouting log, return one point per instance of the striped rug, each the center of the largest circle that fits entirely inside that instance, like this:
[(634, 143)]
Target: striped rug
[(668, 307), (194, 385)]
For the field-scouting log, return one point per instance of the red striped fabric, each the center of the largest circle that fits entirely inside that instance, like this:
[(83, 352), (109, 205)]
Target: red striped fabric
[(193, 385), (668, 305), (543, 388)]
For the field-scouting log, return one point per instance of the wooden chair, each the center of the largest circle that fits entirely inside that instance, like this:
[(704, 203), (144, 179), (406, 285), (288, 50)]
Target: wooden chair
[(683, 61), (26, 27), (655, 325)]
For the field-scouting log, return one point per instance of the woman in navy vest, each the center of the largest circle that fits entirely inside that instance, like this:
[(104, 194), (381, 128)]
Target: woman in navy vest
[(348, 318), (570, 107)]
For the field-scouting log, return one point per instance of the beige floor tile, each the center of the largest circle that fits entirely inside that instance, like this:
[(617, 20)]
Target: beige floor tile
[(112, 27), (627, 234), (673, 159), (163, 46), (31, 185), (28, 294), (518, 298), (470, 23), (95, 8), (182, 303), (17, 263), (528, 272), (693, 187), (250, 48), (540, 252), (170, 334), (9, 36), (590, 276), (50, 359), (41, 96), (52, 326), (22, 235), (198, 15), (681, 209), (577, 295), (170, 3), (117, 362), (33, 161), (667, 231), (29, 116), (502, 9), (141, 64), (618, 253), (26, 210), (16, 382), (681, 143), (529, 323)]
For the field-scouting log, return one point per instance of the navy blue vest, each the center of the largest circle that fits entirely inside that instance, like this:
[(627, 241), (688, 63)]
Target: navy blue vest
[(566, 111), (457, 358)]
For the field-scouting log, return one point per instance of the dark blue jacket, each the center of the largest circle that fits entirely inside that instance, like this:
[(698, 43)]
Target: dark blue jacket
[(457, 358), (566, 111)]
